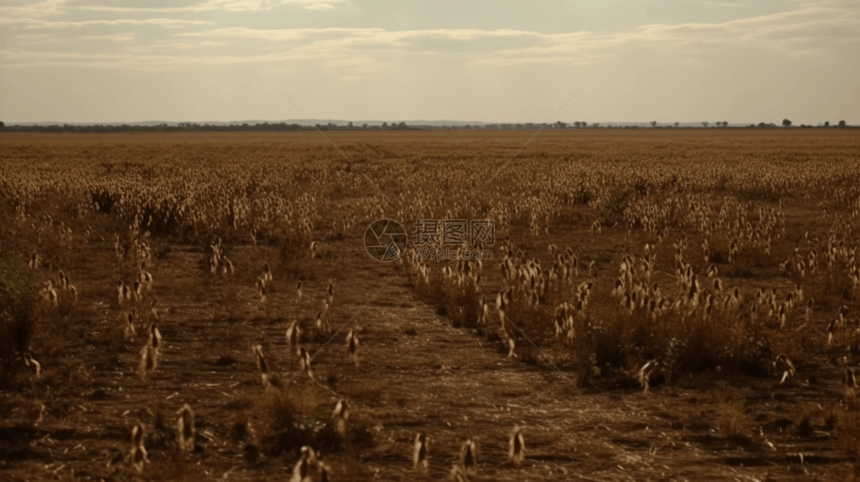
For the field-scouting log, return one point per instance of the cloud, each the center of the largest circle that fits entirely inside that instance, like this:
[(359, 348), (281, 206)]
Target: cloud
[(812, 31), (436, 40), (119, 37), (565, 60), (812, 28), (264, 34), (320, 6), (212, 5), (40, 9), (42, 24)]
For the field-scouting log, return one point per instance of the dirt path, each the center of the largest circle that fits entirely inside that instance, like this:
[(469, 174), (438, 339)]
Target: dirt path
[(451, 384)]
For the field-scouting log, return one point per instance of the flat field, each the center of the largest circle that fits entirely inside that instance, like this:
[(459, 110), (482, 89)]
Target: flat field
[(649, 304)]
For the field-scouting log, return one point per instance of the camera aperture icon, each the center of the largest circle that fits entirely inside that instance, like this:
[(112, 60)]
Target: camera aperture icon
[(385, 240)]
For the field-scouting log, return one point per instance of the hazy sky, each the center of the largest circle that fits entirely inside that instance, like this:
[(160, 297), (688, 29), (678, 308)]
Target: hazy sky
[(483, 60)]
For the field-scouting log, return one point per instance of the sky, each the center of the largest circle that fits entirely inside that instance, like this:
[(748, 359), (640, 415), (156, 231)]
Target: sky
[(464, 60)]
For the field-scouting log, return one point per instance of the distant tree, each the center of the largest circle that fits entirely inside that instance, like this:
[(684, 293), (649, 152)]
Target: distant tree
[(385, 125), (677, 124), (786, 123), (576, 124), (842, 123), (2, 125), (653, 124), (349, 125), (596, 124), (705, 123), (826, 123), (560, 125)]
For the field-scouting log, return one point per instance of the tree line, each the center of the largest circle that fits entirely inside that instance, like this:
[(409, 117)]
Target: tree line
[(394, 126), (188, 126)]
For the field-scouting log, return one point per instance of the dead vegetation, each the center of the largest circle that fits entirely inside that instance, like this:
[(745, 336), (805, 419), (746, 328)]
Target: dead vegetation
[(651, 301)]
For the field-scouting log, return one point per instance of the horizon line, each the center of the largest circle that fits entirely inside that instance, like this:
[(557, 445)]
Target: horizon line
[(359, 123)]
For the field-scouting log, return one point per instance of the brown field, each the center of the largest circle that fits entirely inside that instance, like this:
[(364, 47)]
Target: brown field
[(777, 210)]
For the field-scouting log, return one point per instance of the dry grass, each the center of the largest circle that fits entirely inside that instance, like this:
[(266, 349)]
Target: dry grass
[(430, 366)]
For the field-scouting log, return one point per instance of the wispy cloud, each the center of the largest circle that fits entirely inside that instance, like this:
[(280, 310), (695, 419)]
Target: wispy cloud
[(320, 6), (118, 37), (40, 9), (795, 34), (212, 5), (44, 24), (812, 28)]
